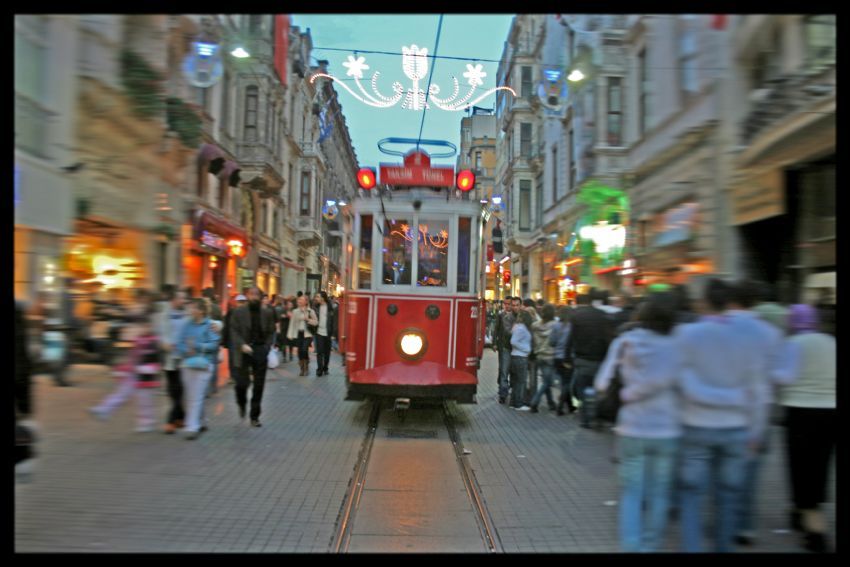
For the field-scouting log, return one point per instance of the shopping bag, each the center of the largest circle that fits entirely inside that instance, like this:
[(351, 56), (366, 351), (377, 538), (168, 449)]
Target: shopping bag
[(274, 358)]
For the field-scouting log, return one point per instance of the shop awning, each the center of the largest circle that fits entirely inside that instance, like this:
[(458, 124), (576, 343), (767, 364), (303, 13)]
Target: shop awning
[(293, 266), (211, 156), (230, 173), (206, 221)]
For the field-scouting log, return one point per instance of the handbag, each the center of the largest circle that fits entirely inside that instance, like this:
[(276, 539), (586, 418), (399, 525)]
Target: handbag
[(313, 328), (273, 360), (608, 406)]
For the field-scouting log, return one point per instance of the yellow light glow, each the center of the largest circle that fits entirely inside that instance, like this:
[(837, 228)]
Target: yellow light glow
[(411, 344)]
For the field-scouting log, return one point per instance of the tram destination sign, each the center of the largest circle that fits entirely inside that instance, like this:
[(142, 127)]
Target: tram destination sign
[(417, 171)]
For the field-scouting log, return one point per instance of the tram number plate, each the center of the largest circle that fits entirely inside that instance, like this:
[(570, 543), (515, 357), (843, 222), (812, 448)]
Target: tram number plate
[(352, 307), (473, 312)]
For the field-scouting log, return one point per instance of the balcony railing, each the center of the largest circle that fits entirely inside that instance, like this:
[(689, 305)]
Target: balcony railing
[(259, 153), (784, 97)]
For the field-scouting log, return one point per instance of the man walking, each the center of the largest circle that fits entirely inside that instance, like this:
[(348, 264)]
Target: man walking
[(502, 340), (587, 346), (252, 329), (723, 416), (171, 321)]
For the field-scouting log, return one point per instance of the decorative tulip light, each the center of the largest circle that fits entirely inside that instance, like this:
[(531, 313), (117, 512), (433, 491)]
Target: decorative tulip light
[(415, 67)]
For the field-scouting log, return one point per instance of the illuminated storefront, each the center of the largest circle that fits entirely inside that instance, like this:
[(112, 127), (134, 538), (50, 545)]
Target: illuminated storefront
[(214, 251)]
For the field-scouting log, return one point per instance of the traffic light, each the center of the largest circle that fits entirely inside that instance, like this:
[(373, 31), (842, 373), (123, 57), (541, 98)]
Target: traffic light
[(366, 178), (465, 180)]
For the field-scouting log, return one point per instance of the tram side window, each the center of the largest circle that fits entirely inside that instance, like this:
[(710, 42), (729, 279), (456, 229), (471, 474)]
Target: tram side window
[(433, 253), (364, 265), (464, 245), (397, 252)]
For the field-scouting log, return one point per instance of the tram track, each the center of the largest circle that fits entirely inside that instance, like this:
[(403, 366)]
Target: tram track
[(424, 485)]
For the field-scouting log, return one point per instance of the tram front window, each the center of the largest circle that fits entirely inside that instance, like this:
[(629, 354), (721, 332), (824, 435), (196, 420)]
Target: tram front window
[(397, 251), (433, 253)]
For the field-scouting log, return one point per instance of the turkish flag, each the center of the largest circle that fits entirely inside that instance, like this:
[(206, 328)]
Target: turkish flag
[(718, 21), (281, 45)]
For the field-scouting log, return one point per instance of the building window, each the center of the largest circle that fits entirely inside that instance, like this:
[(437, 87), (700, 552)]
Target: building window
[(526, 89), (525, 140), (264, 216), (820, 40), (478, 161), (615, 111), (225, 103), (254, 23), (572, 154), (688, 80), (364, 265), (525, 204), (554, 174), (251, 96), (290, 187), (464, 246), (31, 64), (305, 193), (643, 101), (538, 198), (275, 222)]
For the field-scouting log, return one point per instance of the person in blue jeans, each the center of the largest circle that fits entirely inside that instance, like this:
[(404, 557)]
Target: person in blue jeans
[(502, 341), (542, 331), (521, 343), (648, 423), (723, 414)]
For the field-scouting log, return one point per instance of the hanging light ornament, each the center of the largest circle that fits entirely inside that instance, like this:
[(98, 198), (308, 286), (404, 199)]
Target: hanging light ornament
[(203, 66), (415, 67)]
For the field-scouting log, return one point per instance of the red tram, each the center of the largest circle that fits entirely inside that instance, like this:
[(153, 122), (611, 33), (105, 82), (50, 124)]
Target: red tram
[(412, 318)]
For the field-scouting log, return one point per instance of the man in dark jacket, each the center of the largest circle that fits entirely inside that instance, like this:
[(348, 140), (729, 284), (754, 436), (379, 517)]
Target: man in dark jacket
[(326, 329), (252, 329), (587, 346), (23, 385), (502, 342)]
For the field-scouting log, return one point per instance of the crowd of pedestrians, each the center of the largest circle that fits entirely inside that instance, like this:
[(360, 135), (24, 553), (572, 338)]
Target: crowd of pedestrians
[(693, 395)]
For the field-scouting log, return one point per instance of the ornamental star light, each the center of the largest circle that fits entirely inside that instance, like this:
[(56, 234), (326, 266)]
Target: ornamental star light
[(355, 66), (415, 67), (475, 75)]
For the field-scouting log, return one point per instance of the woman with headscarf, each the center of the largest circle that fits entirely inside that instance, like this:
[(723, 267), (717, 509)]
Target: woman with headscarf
[(812, 425)]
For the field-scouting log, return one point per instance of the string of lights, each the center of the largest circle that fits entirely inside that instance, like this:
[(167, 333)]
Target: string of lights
[(430, 76)]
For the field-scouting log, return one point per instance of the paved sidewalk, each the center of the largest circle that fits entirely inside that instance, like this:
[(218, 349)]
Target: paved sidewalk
[(101, 487)]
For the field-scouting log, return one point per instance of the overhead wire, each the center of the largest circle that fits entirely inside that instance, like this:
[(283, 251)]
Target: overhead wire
[(430, 76)]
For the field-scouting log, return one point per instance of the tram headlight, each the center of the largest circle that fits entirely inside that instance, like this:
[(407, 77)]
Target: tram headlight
[(411, 344)]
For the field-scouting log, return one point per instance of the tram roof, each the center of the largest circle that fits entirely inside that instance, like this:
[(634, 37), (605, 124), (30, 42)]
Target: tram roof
[(404, 199)]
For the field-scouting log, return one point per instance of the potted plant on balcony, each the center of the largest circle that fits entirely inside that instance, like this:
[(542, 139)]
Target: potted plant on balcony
[(142, 83), (184, 121)]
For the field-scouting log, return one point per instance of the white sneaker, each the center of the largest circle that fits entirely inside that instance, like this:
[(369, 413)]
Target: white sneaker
[(524, 408)]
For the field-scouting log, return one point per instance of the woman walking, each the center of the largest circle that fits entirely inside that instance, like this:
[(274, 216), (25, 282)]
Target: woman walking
[(198, 346), (300, 322), (812, 424), (648, 423)]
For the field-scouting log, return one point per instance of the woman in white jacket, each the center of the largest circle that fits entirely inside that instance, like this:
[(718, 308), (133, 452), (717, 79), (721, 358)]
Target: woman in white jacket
[(300, 321), (648, 423)]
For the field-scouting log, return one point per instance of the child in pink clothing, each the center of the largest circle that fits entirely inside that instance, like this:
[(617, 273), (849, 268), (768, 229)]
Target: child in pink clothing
[(139, 373)]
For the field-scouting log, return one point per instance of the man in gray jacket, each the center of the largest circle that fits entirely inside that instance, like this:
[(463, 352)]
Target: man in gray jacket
[(252, 329)]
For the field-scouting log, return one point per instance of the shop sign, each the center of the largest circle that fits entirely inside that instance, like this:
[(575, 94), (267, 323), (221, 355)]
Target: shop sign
[(677, 225), (759, 197), (213, 240)]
